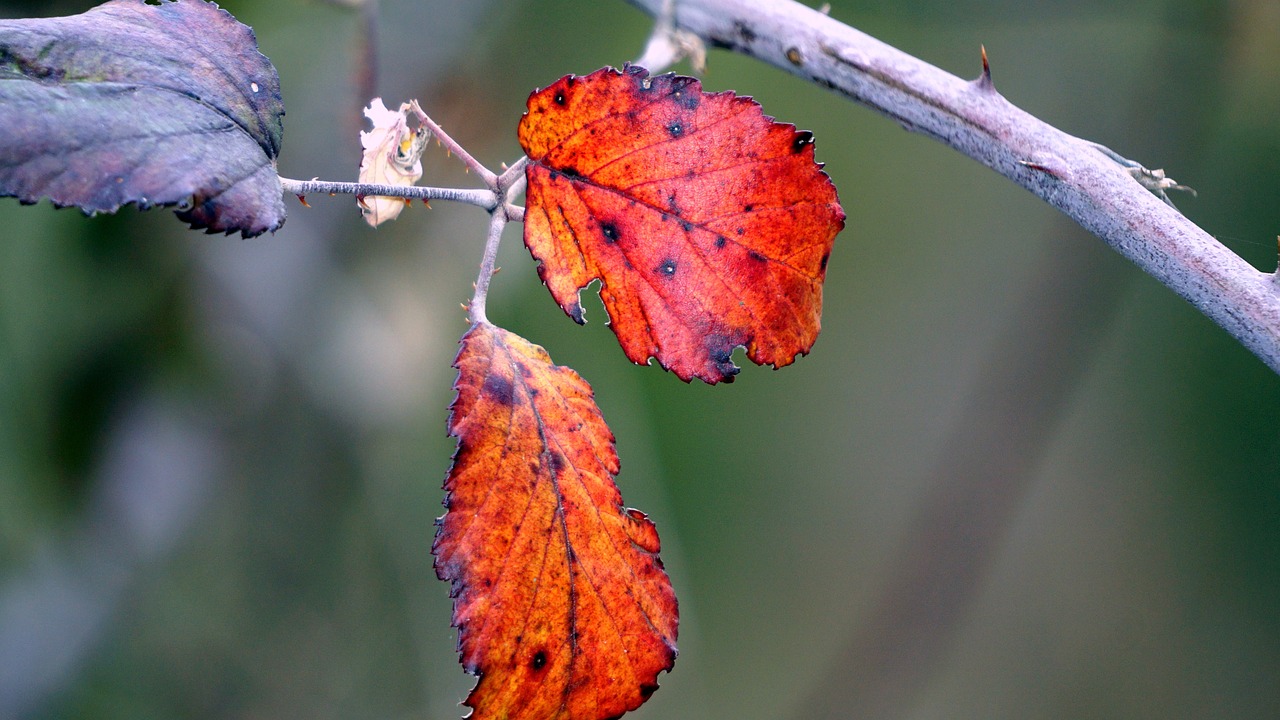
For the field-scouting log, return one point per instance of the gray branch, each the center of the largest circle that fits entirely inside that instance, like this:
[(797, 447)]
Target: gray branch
[(482, 198), (1107, 197)]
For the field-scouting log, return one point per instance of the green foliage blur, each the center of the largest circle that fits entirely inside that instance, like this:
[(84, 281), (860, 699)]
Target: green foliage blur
[(1016, 478)]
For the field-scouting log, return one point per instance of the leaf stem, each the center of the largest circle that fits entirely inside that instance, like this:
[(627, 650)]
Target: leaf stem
[(482, 172)]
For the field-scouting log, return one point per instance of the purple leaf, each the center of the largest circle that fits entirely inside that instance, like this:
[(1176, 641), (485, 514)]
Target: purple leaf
[(168, 104)]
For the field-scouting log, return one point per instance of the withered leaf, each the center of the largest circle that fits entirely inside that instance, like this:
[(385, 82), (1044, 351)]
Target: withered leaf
[(158, 105)]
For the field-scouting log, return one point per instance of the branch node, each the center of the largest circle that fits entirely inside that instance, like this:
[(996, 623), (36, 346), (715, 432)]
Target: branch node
[(669, 45), (1154, 181)]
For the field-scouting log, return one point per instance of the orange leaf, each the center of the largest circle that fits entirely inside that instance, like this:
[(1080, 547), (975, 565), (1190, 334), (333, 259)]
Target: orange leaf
[(562, 605), (708, 224)]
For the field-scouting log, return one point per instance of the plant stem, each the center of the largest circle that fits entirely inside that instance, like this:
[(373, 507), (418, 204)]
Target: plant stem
[(488, 266), (482, 198), (972, 117), (482, 172)]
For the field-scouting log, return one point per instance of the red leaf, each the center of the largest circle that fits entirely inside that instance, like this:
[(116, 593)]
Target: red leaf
[(562, 605), (708, 224)]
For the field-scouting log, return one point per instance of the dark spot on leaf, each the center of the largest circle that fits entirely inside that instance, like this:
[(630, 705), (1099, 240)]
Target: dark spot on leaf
[(560, 99), (570, 172), (539, 660), (686, 225), (499, 388), (555, 462), (675, 129), (720, 241), (756, 256), (668, 267), (672, 205), (825, 258), (802, 138), (575, 312), (741, 231), (647, 689), (610, 232), (719, 349), (748, 208), (687, 99)]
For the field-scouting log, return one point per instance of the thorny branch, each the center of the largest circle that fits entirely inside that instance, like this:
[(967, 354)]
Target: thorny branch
[(1100, 192)]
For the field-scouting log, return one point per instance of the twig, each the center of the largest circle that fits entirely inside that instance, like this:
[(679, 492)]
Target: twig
[(488, 265), (452, 146), (497, 200), (1071, 174), (482, 198)]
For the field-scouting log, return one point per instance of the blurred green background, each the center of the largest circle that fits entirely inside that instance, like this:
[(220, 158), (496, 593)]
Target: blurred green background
[(1016, 478)]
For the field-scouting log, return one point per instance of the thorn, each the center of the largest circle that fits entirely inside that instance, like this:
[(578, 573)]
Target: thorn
[(825, 9), (303, 199), (496, 270), (984, 81), (1049, 164), (407, 201), (427, 203), (465, 307)]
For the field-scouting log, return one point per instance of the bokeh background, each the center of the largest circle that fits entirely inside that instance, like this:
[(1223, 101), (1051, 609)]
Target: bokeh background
[(1016, 478)]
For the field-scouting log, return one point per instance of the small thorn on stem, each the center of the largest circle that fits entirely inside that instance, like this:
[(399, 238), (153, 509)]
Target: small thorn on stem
[(465, 307), (984, 81), (427, 203), (303, 199)]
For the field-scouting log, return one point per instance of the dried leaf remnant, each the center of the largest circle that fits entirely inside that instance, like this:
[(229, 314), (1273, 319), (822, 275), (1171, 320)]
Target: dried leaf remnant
[(392, 155)]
